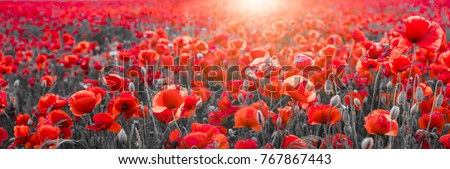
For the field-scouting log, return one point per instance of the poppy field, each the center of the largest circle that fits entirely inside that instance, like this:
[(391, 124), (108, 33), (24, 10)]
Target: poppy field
[(225, 74)]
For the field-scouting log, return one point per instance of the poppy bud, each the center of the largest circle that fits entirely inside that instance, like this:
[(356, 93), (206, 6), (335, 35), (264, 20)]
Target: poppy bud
[(241, 98), (395, 111), (346, 117), (357, 102), (415, 109), (122, 137), (245, 85), (439, 100), (199, 55), (259, 117), (419, 94), (170, 45), (279, 121), (16, 84), (231, 132), (348, 129), (328, 87), (389, 85), (401, 97), (367, 143), (383, 99), (199, 104), (131, 86), (44, 83), (29, 122), (296, 109), (335, 101)]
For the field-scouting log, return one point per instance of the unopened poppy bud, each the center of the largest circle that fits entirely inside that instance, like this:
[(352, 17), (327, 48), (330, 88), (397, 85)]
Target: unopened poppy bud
[(419, 94), (231, 132), (389, 85), (357, 102), (122, 137), (259, 117), (170, 45), (348, 129), (328, 87), (241, 98), (367, 143), (199, 104), (29, 122), (44, 83), (383, 99), (346, 117), (395, 111), (415, 109), (199, 55), (296, 109), (279, 121), (245, 85), (16, 83), (335, 100), (401, 97), (215, 145), (131, 86), (439, 100)]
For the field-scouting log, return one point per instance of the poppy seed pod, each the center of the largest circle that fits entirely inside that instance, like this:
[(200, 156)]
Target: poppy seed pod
[(16, 83), (357, 102), (367, 143), (122, 137), (439, 100), (348, 129), (241, 98), (401, 97), (395, 111), (419, 94), (415, 109), (328, 87), (131, 86), (198, 104), (335, 101), (383, 99)]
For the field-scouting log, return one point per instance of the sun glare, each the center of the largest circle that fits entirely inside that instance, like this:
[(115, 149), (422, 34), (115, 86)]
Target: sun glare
[(256, 6)]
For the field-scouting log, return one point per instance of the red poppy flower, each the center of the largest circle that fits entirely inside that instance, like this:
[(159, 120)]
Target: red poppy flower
[(338, 141), (21, 133), (298, 88), (166, 104), (399, 64), (189, 106), (48, 80), (323, 114), (63, 121), (437, 121), (3, 100), (293, 142), (127, 104), (3, 136), (246, 144), (249, 117), (379, 122), (422, 32), (22, 119), (50, 102), (195, 140), (302, 61), (83, 102), (97, 90), (104, 121), (444, 140), (47, 132), (115, 82), (282, 117)]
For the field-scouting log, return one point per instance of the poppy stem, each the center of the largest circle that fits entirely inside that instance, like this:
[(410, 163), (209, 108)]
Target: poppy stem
[(412, 66)]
